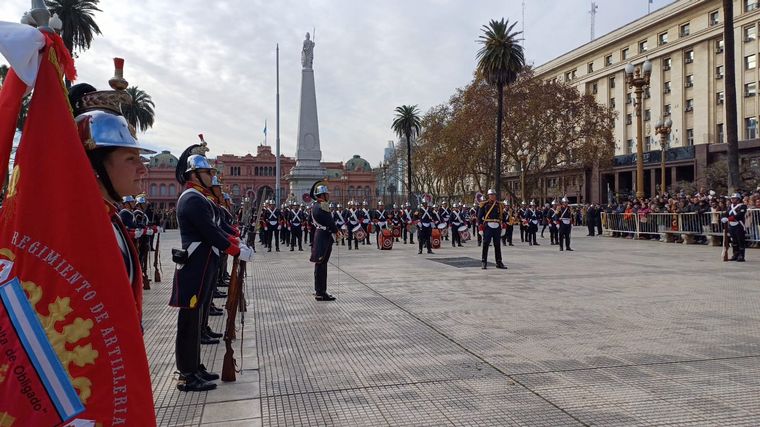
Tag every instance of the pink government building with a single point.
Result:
(251, 176)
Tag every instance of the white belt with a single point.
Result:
(566, 220)
(426, 224)
(319, 226)
(534, 221)
(493, 224)
(733, 223)
(272, 222)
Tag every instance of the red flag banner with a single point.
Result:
(71, 348)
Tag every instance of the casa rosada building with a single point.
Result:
(684, 43)
(254, 176)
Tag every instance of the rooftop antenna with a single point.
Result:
(523, 22)
(592, 12)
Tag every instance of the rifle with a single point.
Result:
(157, 261)
(230, 365)
(725, 242)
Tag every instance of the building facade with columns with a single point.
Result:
(684, 43)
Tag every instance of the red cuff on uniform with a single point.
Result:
(233, 250)
(233, 240)
(732, 218)
(131, 233)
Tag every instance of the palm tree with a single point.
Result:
(732, 137)
(79, 26)
(3, 72)
(140, 113)
(407, 124)
(499, 61)
(24, 103)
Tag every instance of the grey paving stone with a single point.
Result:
(618, 332)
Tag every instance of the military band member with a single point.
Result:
(425, 224)
(408, 220)
(456, 221)
(323, 240)
(534, 218)
(522, 215)
(338, 217)
(445, 215)
(564, 216)
(366, 220)
(553, 225)
(272, 217)
(395, 219)
(510, 219)
(285, 209)
(203, 241)
(296, 221)
(379, 218)
(734, 217)
(490, 217)
(473, 218)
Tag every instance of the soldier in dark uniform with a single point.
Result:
(407, 219)
(490, 217)
(271, 217)
(456, 221)
(379, 218)
(553, 224)
(534, 218)
(143, 242)
(735, 215)
(564, 216)
(445, 215)
(296, 221)
(508, 224)
(339, 218)
(425, 224)
(353, 218)
(203, 240)
(366, 220)
(395, 220)
(473, 220)
(323, 240)
(522, 215)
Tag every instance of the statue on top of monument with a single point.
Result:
(307, 54)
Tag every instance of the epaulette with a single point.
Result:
(483, 203)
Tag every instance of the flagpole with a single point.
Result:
(277, 160)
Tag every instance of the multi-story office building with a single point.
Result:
(684, 43)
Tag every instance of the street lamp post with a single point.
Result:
(522, 154)
(639, 82)
(663, 129)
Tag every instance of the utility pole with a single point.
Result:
(592, 12)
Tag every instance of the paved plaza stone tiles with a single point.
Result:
(619, 332)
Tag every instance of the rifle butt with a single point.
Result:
(228, 368)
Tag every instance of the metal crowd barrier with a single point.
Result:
(679, 227)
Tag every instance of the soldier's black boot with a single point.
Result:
(501, 265)
(193, 382)
(206, 375)
(484, 265)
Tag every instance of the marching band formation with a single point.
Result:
(488, 220)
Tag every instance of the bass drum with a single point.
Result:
(465, 235)
(360, 234)
(397, 232)
(435, 239)
(463, 228)
(386, 241)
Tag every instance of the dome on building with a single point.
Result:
(357, 164)
(164, 159)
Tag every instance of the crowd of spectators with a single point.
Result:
(707, 205)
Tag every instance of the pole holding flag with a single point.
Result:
(265, 132)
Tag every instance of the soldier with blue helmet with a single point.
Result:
(115, 156)
(321, 248)
(203, 241)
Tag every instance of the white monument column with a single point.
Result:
(308, 166)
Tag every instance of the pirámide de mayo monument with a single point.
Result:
(308, 155)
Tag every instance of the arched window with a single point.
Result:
(235, 190)
(153, 189)
(162, 190)
(351, 192)
(172, 190)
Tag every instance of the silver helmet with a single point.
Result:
(127, 199)
(340, 206)
(214, 180)
(103, 129)
(197, 162)
(227, 196)
(491, 191)
(320, 189)
(140, 199)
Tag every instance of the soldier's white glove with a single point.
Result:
(138, 233)
(724, 220)
(246, 253)
(149, 232)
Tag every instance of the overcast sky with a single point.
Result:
(210, 65)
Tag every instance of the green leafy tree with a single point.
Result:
(499, 62)
(407, 124)
(140, 113)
